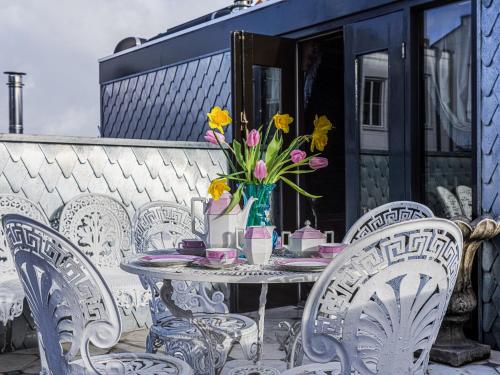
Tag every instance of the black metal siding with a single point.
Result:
(170, 103)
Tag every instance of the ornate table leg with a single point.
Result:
(262, 316)
(209, 337)
(256, 368)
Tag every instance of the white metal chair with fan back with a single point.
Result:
(374, 220)
(162, 225)
(72, 306)
(379, 306)
(384, 215)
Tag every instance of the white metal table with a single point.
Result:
(241, 274)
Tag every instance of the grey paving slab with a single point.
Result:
(465, 370)
(27, 361)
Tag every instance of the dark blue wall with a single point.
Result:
(170, 103)
(489, 142)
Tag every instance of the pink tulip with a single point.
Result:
(318, 162)
(297, 155)
(210, 136)
(253, 138)
(260, 171)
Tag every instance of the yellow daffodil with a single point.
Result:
(218, 187)
(218, 118)
(282, 122)
(319, 137)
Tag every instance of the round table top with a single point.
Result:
(241, 274)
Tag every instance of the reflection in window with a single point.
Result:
(373, 72)
(267, 93)
(372, 102)
(447, 108)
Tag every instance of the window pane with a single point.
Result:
(267, 93)
(376, 114)
(377, 91)
(373, 71)
(447, 123)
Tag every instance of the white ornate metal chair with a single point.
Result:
(11, 290)
(449, 202)
(72, 306)
(464, 194)
(162, 225)
(101, 228)
(379, 306)
(374, 220)
(384, 215)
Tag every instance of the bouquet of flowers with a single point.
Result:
(261, 160)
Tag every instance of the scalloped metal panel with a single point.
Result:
(489, 114)
(169, 103)
(50, 174)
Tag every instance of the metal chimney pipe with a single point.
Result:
(242, 4)
(15, 84)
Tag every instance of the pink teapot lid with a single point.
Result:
(308, 232)
(257, 233)
(217, 207)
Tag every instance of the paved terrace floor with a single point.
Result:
(28, 361)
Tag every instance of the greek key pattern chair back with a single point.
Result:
(14, 204)
(11, 291)
(379, 306)
(387, 214)
(70, 303)
(163, 225)
(100, 226)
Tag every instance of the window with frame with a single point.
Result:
(373, 99)
(447, 128)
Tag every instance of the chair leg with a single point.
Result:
(296, 352)
(153, 343)
(249, 346)
(193, 353)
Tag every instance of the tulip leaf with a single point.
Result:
(301, 171)
(235, 199)
(238, 154)
(273, 149)
(299, 189)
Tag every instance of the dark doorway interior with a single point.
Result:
(320, 79)
(321, 72)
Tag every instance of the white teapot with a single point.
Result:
(220, 227)
(305, 241)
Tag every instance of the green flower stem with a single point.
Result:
(268, 130)
(225, 152)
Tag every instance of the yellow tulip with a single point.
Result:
(319, 137)
(218, 187)
(218, 118)
(282, 122)
(322, 124)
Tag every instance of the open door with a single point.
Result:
(263, 83)
(374, 110)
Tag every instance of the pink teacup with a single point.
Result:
(191, 244)
(191, 247)
(330, 250)
(221, 256)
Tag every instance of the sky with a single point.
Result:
(57, 43)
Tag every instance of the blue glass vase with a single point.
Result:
(260, 213)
